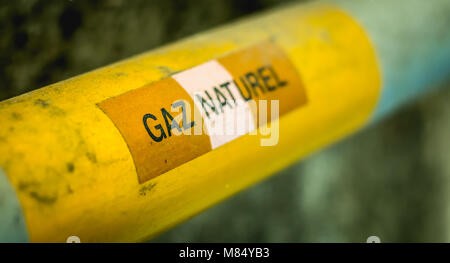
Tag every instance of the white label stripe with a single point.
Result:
(226, 115)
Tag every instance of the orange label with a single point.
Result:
(175, 120)
(144, 118)
(264, 72)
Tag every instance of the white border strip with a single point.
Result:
(235, 118)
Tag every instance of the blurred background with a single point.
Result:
(390, 180)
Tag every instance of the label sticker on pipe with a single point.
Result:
(172, 121)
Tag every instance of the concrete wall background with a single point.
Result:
(391, 180)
